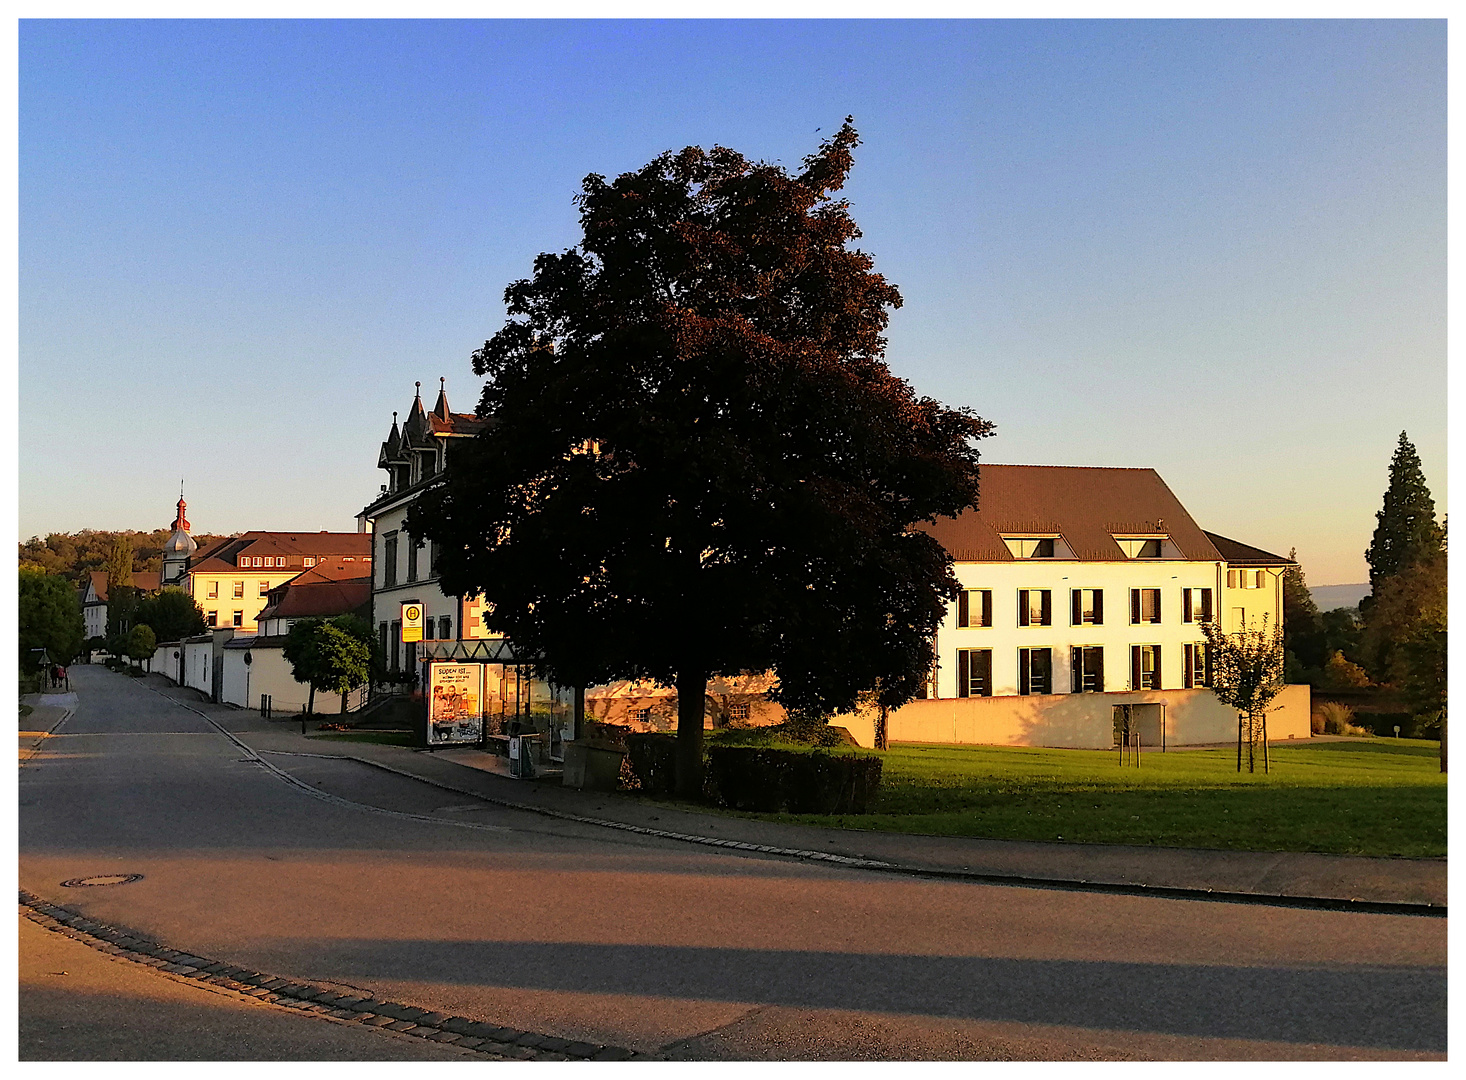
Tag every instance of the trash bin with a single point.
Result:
(522, 752)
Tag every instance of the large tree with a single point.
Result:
(172, 613)
(699, 463)
(1407, 530)
(48, 616)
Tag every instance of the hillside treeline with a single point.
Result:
(75, 555)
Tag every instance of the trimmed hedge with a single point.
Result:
(652, 757)
(770, 780)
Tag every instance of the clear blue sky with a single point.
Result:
(1215, 249)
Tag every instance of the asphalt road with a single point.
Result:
(383, 884)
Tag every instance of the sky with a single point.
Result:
(1216, 249)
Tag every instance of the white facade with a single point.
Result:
(1115, 634)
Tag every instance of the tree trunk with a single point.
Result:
(1443, 740)
(881, 735)
(310, 701)
(691, 690)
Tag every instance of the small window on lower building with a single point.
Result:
(213, 590)
(1087, 674)
(445, 627)
(1197, 665)
(740, 712)
(211, 618)
(239, 618)
(974, 672)
(641, 716)
(1145, 667)
(1035, 671)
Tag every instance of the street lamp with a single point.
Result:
(249, 659)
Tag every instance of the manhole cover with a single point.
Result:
(102, 879)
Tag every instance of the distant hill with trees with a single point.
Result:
(1329, 597)
(75, 555)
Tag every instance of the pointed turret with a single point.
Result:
(179, 549)
(440, 410)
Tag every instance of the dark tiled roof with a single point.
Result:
(223, 555)
(143, 580)
(1237, 553)
(1085, 506)
(320, 597)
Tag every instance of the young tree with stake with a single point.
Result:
(1247, 674)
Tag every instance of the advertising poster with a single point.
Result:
(455, 695)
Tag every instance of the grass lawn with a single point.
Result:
(386, 738)
(1379, 797)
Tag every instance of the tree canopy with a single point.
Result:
(75, 555)
(1407, 530)
(698, 461)
(141, 643)
(334, 656)
(172, 613)
(48, 616)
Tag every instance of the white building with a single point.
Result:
(404, 577)
(1087, 581)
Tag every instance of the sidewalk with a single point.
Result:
(1295, 874)
(48, 710)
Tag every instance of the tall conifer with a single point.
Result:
(1407, 531)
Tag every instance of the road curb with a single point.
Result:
(1168, 892)
(34, 751)
(1021, 881)
(487, 1040)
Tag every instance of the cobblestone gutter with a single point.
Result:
(485, 1040)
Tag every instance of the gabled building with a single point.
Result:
(453, 642)
(325, 591)
(94, 597)
(231, 580)
(1079, 582)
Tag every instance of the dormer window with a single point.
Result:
(1035, 547)
(1144, 547)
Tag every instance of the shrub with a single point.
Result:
(653, 760)
(794, 732)
(1338, 719)
(1342, 674)
(771, 780)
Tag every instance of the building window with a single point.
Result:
(1145, 606)
(211, 618)
(641, 716)
(1196, 605)
(975, 607)
(239, 590)
(1239, 619)
(213, 590)
(413, 547)
(310, 561)
(1087, 607)
(427, 628)
(1026, 547)
(974, 672)
(1087, 669)
(1197, 665)
(1035, 607)
(389, 562)
(739, 713)
(239, 618)
(1035, 671)
(445, 627)
(264, 587)
(1145, 667)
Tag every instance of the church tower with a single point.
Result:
(178, 551)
